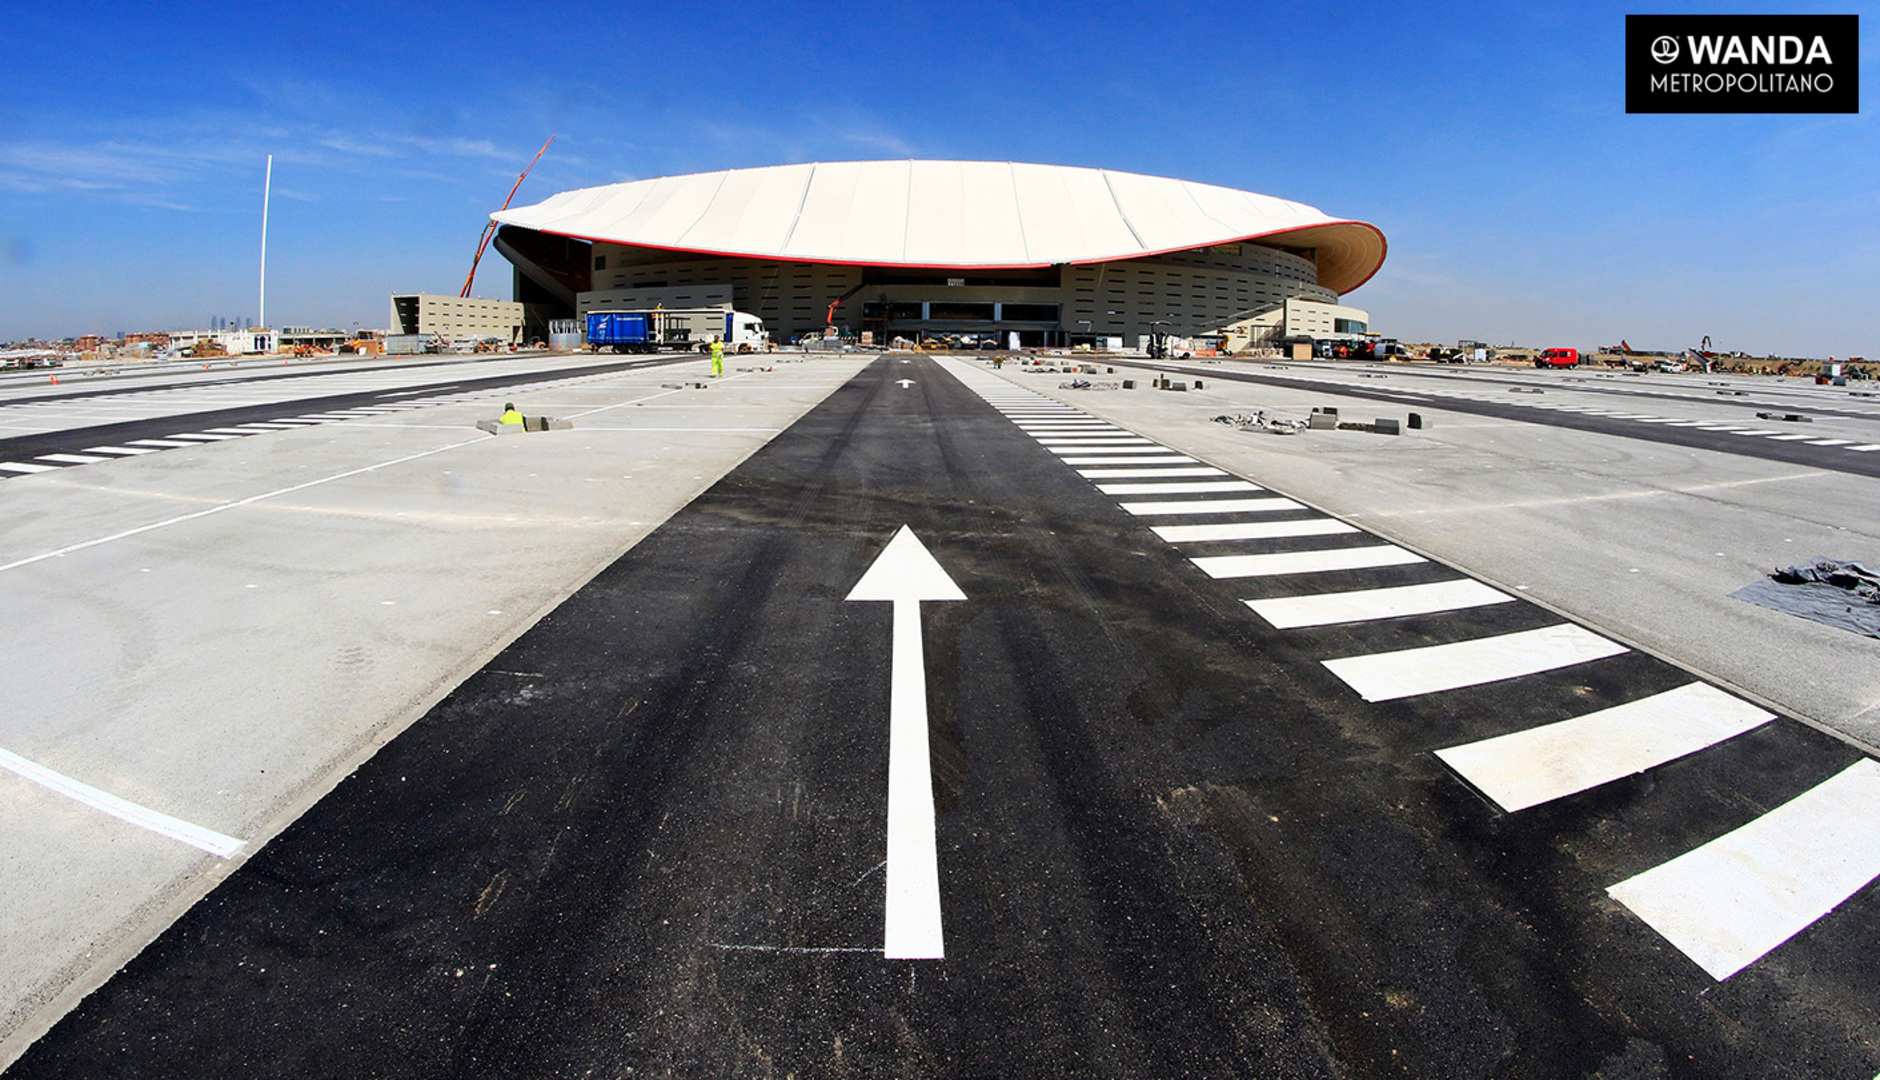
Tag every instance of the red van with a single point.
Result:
(1558, 358)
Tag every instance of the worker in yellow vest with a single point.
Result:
(511, 416)
(718, 357)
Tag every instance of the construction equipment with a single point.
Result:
(489, 228)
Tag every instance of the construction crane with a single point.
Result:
(489, 230)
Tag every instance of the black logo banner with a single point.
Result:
(1742, 63)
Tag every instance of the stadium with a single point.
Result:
(993, 252)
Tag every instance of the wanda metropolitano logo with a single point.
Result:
(1742, 63)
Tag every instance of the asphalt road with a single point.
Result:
(647, 839)
(28, 450)
(1722, 435)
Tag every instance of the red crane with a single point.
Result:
(489, 230)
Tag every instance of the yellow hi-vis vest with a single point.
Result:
(512, 417)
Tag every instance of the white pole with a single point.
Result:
(266, 187)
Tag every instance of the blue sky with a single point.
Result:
(1488, 140)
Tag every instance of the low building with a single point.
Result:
(233, 342)
(458, 318)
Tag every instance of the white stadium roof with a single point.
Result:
(947, 214)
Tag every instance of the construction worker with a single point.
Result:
(718, 357)
(510, 415)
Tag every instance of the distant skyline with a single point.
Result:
(1489, 142)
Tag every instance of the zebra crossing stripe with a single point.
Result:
(1433, 668)
(1250, 530)
(72, 459)
(1527, 768)
(1305, 562)
(1197, 487)
(1266, 505)
(1365, 605)
(25, 467)
(1147, 459)
(1063, 450)
(1124, 474)
(121, 451)
(1729, 902)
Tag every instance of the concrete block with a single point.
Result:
(1386, 427)
(1320, 421)
(1417, 421)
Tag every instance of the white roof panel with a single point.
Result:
(945, 214)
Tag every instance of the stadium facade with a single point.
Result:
(1055, 255)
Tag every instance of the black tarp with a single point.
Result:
(1837, 592)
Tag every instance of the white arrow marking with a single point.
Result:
(906, 574)
(904, 384)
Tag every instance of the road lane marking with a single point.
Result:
(1864, 449)
(1728, 903)
(1527, 768)
(1196, 487)
(1064, 450)
(161, 443)
(1250, 530)
(1326, 609)
(906, 574)
(1306, 562)
(1434, 668)
(72, 459)
(1124, 474)
(26, 467)
(179, 519)
(123, 809)
(1147, 459)
(124, 451)
(203, 436)
(1788, 438)
(1265, 505)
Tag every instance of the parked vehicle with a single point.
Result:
(680, 329)
(1557, 358)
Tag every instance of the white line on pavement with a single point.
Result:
(1147, 459)
(1432, 668)
(1197, 487)
(1212, 506)
(1326, 609)
(1731, 901)
(1065, 450)
(1250, 530)
(1125, 474)
(123, 809)
(1527, 768)
(1306, 562)
(67, 550)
